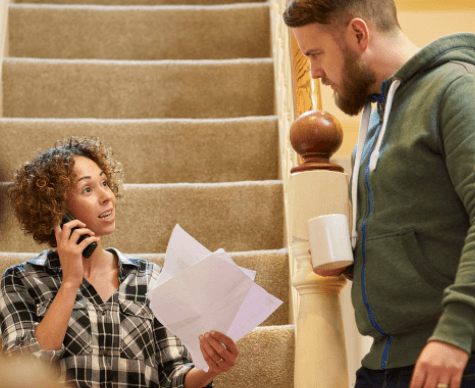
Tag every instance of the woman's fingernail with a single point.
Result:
(207, 335)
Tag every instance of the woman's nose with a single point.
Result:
(105, 194)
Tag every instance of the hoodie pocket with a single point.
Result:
(403, 289)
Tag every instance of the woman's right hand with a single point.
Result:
(70, 252)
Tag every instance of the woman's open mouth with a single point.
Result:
(107, 215)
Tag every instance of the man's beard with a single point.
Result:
(356, 85)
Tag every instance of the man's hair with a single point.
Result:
(38, 193)
(381, 13)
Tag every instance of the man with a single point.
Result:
(413, 187)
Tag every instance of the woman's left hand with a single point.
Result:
(219, 351)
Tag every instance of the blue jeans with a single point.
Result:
(401, 377)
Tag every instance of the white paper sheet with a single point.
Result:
(199, 291)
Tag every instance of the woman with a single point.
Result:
(90, 314)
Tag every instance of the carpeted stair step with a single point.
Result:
(266, 359)
(140, 33)
(35, 88)
(271, 266)
(160, 150)
(241, 216)
(138, 2)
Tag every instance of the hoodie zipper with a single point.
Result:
(365, 298)
(372, 164)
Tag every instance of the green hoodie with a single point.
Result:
(414, 272)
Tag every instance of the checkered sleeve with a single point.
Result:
(18, 316)
(172, 358)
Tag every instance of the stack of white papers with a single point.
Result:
(199, 291)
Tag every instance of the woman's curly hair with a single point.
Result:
(38, 195)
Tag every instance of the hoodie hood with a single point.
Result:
(455, 47)
(450, 48)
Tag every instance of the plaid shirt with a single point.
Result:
(114, 344)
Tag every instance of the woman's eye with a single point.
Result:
(104, 183)
(86, 190)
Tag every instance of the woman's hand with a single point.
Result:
(70, 252)
(219, 351)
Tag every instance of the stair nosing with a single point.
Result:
(106, 8)
(271, 183)
(135, 62)
(146, 120)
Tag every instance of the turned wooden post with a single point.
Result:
(317, 187)
(316, 136)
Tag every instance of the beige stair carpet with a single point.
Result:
(34, 88)
(266, 359)
(185, 96)
(138, 2)
(271, 266)
(144, 33)
(161, 150)
(240, 216)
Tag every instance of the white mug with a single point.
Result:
(330, 244)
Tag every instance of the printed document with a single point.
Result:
(199, 291)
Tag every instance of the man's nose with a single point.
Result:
(316, 72)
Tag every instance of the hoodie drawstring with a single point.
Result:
(364, 125)
(359, 152)
(375, 154)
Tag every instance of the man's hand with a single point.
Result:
(439, 364)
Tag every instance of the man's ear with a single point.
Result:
(357, 34)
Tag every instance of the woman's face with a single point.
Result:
(92, 201)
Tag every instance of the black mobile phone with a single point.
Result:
(87, 253)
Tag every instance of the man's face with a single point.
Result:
(337, 66)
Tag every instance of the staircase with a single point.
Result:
(183, 92)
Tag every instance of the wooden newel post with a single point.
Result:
(317, 187)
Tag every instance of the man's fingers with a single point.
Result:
(418, 377)
(455, 381)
